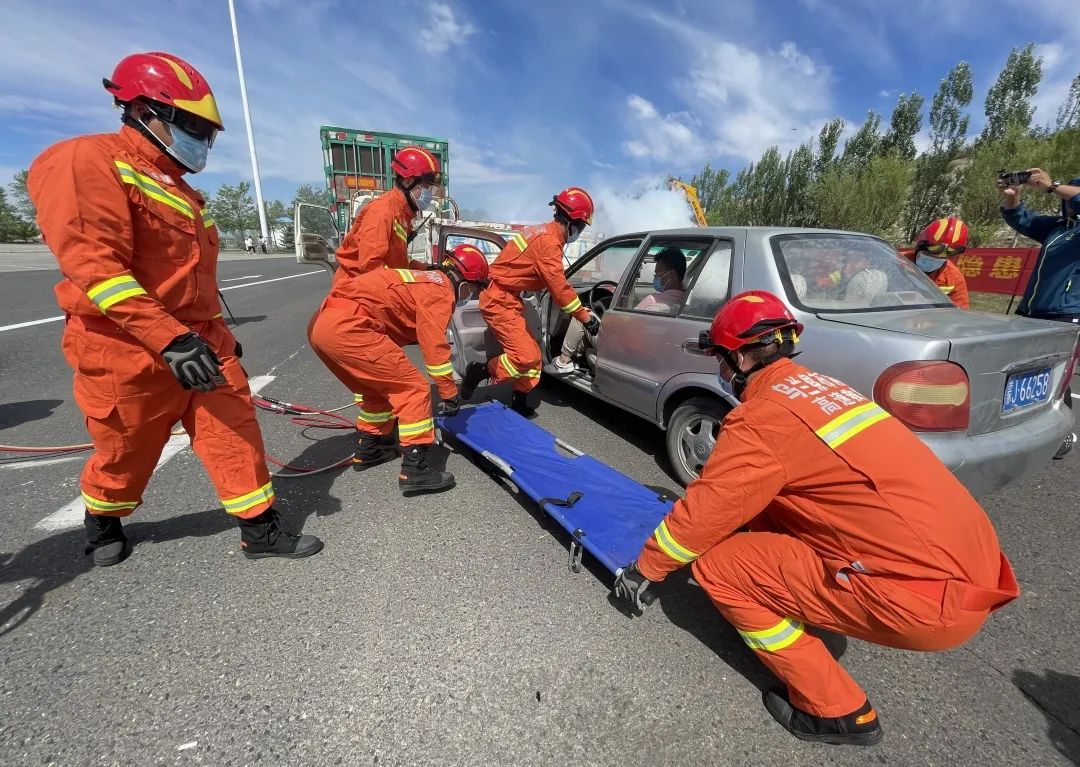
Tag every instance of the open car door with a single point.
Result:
(469, 335)
(316, 236)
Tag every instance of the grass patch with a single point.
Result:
(992, 302)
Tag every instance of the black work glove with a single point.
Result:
(448, 406)
(239, 351)
(592, 325)
(193, 363)
(632, 586)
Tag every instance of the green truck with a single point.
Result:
(357, 166)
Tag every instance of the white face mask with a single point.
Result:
(725, 385)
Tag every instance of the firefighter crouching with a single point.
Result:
(358, 333)
(144, 333)
(855, 527)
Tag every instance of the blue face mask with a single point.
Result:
(424, 199)
(657, 283)
(929, 263)
(188, 150)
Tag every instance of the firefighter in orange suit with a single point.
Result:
(530, 261)
(940, 241)
(855, 527)
(138, 251)
(379, 237)
(358, 333)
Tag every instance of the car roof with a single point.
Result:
(764, 231)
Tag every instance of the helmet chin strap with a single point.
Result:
(740, 378)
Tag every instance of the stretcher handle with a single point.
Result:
(498, 462)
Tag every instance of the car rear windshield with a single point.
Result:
(850, 273)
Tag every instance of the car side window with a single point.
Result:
(489, 248)
(640, 292)
(712, 284)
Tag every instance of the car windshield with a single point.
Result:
(850, 273)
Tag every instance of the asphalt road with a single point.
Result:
(438, 630)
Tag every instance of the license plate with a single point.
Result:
(1024, 389)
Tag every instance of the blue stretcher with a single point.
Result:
(606, 513)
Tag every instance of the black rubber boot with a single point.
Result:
(260, 537)
(417, 476)
(372, 450)
(475, 374)
(105, 539)
(519, 403)
(859, 728)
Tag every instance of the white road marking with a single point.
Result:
(43, 462)
(71, 514)
(18, 325)
(245, 277)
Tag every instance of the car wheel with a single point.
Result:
(691, 435)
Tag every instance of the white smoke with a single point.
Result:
(644, 205)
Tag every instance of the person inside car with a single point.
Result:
(668, 284)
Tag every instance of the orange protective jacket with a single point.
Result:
(133, 240)
(533, 260)
(411, 307)
(808, 456)
(953, 283)
(378, 237)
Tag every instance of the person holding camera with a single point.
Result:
(1053, 292)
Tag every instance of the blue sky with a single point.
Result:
(533, 96)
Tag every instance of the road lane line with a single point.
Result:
(42, 462)
(18, 325)
(71, 514)
(245, 277)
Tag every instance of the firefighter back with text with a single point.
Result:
(855, 527)
(532, 260)
(144, 333)
(358, 333)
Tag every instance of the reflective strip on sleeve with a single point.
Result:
(207, 219)
(406, 275)
(444, 369)
(357, 398)
(414, 429)
(114, 290)
(573, 306)
(399, 230)
(667, 543)
(242, 503)
(369, 417)
(947, 289)
(782, 635)
(153, 189)
(519, 241)
(96, 504)
(845, 426)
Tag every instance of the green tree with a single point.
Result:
(288, 237)
(309, 194)
(863, 146)
(1008, 102)
(904, 125)
(233, 208)
(276, 212)
(711, 185)
(864, 199)
(798, 196)
(1068, 116)
(11, 228)
(23, 207)
(828, 140)
(938, 171)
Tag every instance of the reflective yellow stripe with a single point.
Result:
(667, 543)
(444, 369)
(947, 289)
(783, 634)
(845, 426)
(509, 366)
(406, 275)
(242, 503)
(357, 398)
(217, 316)
(573, 306)
(412, 429)
(518, 240)
(114, 290)
(96, 504)
(207, 219)
(368, 417)
(531, 373)
(153, 189)
(399, 230)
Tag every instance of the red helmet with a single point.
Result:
(750, 317)
(469, 261)
(575, 202)
(166, 79)
(416, 162)
(946, 234)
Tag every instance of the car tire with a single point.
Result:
(691, 435)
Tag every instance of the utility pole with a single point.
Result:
(250, 130)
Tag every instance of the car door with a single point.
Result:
(468, 334)
(315, 236)
(639, 344)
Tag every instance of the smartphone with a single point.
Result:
(1013, 177)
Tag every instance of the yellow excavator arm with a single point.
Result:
(692, 198)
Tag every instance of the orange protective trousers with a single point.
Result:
(769, 585)
(131, 401)
(371, 365)
(504, 313)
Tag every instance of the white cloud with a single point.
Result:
(444, 30)
(1058, 68)
(661, 137)
(885, 94)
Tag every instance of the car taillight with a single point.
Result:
(925, 395)
(1070, 371)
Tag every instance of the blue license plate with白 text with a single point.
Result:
(1024, 389)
